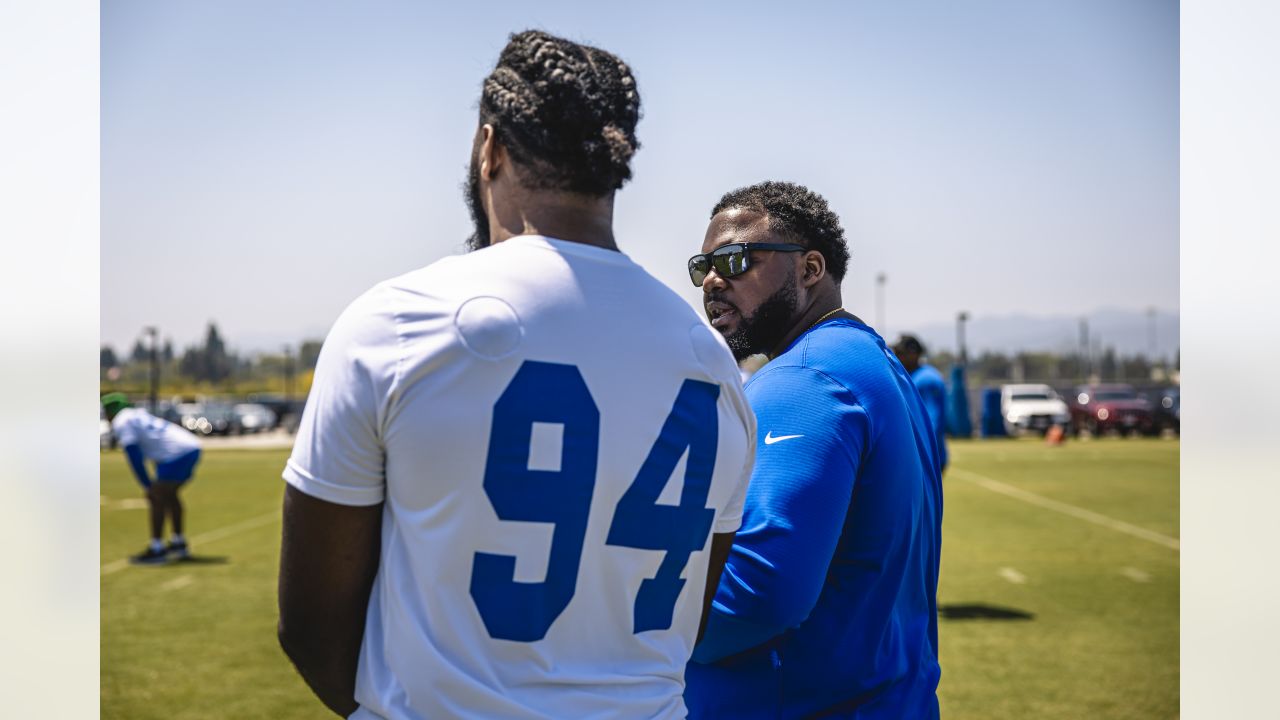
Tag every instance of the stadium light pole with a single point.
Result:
(880, 326)
(960, 349)
(154, 332)
(1084, 348)
(1151, 334)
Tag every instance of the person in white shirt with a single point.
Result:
(519, 470)
(175, 452)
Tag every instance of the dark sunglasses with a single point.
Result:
(732, 259)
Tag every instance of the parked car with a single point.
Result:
(1115, 407)
(222, 417)
(1032, 408)
(254, 417)
(286, 411)
(167, 410)
(1168, 408)
(207, 418)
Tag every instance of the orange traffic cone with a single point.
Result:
(1055, 436)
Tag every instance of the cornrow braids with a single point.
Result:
(566, 113)
(798, 212)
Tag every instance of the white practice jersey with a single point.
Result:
(556, 436)
(159, 439)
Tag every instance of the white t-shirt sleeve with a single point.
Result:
(338, 455)
(125, 430)
(731, 518)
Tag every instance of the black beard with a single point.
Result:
(765, 329)
(471, 193)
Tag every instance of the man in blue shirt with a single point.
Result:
(828, 603)
(933, 389)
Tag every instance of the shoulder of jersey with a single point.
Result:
(456, 274)
(843, 338)
(435, 281)
(126, 416)
(847, 351)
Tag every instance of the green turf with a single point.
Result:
(1100, 644)
(197, 640)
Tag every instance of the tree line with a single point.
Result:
(212, 365)
(209, 366)
(1061, 369)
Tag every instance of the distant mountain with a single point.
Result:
(1127, 331)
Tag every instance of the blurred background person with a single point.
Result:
(933, 389)
(175, 452)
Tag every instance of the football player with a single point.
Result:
(175, 452)
(518, 470)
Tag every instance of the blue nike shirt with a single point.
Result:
(828, 602)
(933, 391)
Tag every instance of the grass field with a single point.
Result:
(1059, 588)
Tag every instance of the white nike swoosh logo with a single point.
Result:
(769, 439)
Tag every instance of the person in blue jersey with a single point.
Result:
(175, 452)
(933, 389)
(827, 606)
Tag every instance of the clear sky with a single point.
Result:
(263, 163)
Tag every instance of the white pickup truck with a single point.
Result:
(1032, 408)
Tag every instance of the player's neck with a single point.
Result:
(563, 216)
(825, 305)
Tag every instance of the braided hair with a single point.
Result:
(565, 112)
(796, 211)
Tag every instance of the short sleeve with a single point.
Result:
(338, 455)
(730, 519)
(715, 357)
(125, 430)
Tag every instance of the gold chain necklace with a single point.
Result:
(824, 317)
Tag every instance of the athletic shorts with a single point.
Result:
(179, 469)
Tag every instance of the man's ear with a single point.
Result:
(491, 155)
(814, 268)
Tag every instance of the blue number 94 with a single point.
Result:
(556, 393)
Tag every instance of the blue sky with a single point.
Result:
(264, 163)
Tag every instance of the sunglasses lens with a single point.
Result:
(730, 260)
(698, 269)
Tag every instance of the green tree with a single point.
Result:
(308, 354)
(1109, 367)
(210, 362)
(140, 353)
(218, 364)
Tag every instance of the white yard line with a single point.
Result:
(1064, 508)
(177, 583)
(1012, 576)
(208, 537)
(123, 504)
(1136, 575)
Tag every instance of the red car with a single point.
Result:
(1103, 408)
